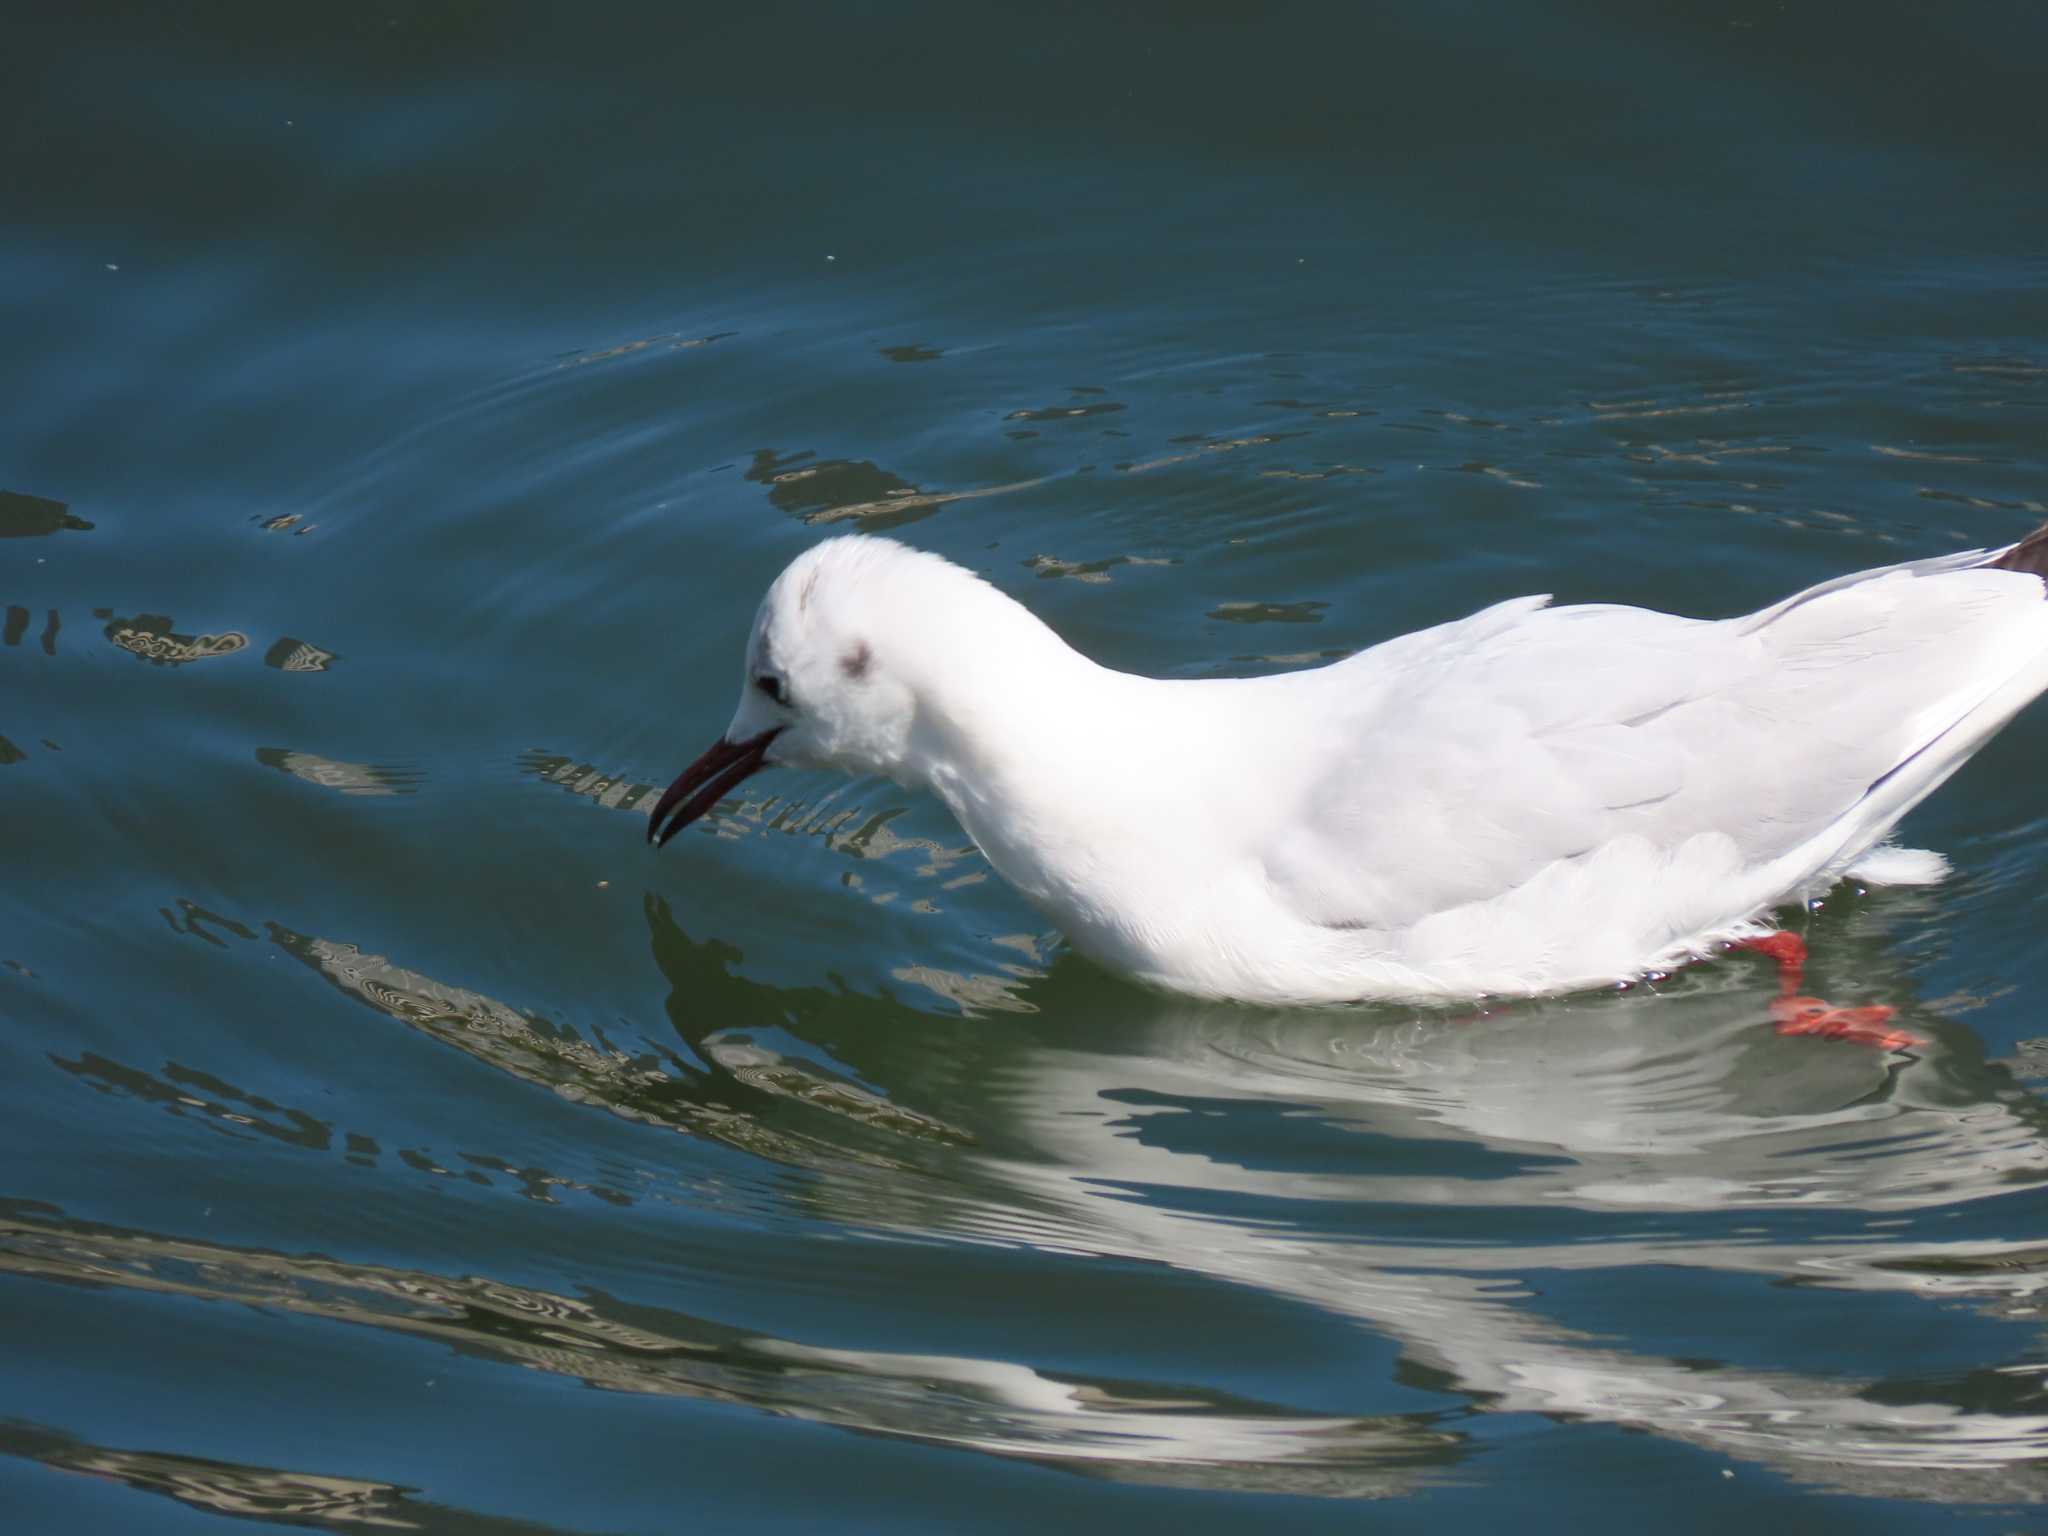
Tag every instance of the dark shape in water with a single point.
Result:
(184, 1092)
(10, 753)
(916, 352)
(290, 655)
(29, 517)
(193, 919)
(148, 637)
(17, 626)
(676, 342)
(1269, 613)
(1063, 412)
(1049, 566)
(825, 490)
(835, 490)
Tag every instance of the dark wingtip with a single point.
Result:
(2029, 557)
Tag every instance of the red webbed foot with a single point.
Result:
(1860, 1026)
(1795, 1013)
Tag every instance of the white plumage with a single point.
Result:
(1531, 799)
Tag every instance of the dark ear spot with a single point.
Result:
(855, 662)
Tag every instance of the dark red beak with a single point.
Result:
(707, 781)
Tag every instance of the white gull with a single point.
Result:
(1528, 800)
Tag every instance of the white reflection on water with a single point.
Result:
(1680, 1104)
(1677, 1104)
(1620, 1134)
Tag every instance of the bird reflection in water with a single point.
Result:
(1349, 1161)
(1635, 1133)
(724, 1089)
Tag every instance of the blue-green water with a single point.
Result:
(429, 393)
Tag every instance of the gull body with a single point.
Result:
(1531, 799)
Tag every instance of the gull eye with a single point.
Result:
(771, 685)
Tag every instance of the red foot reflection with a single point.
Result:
(1797, 1014)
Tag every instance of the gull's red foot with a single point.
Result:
(1797, 1014)
(1788, 949)
(1861, 1026)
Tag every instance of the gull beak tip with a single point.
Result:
(706, 782)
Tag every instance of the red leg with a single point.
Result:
(1797, 1014)
(1788, 949)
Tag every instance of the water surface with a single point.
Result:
(404, 414)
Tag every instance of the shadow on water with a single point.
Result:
(1328, 1159)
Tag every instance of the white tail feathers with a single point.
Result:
(1889, 864)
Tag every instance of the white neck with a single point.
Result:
(1072, 778)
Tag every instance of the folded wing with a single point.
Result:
(1523, 746)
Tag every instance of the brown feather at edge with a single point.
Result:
(2029, 556)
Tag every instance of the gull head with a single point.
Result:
(823, 684)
